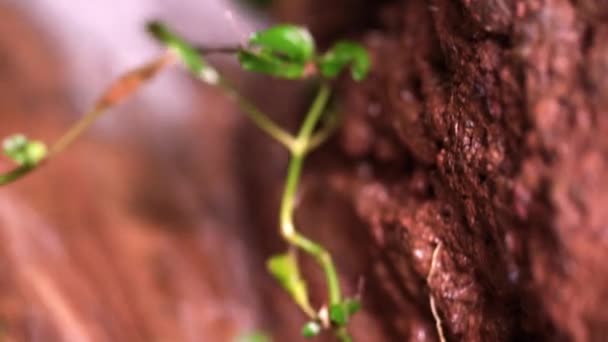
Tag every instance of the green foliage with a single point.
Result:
(284, 267)
(267, 63)
(340, 313)
(311, 329)
(343, 54)
(282, 51)
(287, 51)
(23, 151)
(292, 42)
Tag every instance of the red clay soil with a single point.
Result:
(482, 128)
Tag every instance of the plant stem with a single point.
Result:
(324, 133)
(294, 172)
(74, 132)
(15, 174)
(121, 89)
(314, 113)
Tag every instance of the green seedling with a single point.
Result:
(342, 55)
(282, 51)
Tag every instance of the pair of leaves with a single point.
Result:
(24, 152)
(288, 51)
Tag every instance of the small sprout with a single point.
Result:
(343, 54)
(285, 269)
(281, 51)
(256, 336)
(23, 151)
(339, 314)
(311, 329)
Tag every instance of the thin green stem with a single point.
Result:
(324, 133)
(314, 114)
(74, 132)
(294, 172)
(15, 174)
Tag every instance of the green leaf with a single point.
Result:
(340, 313)
(187, 54)
(267, 64)
(23, 151)
(282, 51)
(284, 268)
(343, 54)
(294, 42)
(256, 336)
(311, 329)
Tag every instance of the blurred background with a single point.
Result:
(137, 233)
